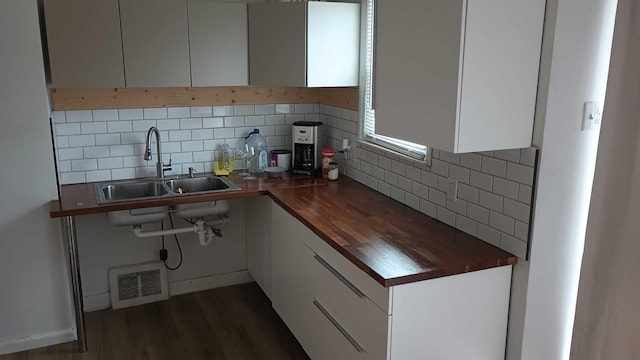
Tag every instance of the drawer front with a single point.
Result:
(328, 339)
(349, 306)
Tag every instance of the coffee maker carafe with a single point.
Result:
(306, 157)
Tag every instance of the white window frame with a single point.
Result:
(415, 152)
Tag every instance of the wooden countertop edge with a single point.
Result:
(387, 282)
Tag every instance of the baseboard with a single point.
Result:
(209, 282)
(103, 301)
(38, 341)
(97, 302)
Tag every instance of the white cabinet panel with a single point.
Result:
(458, 75)
(155, 40)
(218, 43)
(85, 48)
(259, 241)
(310, 44)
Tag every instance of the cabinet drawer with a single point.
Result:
(350, 307)
(329, 340)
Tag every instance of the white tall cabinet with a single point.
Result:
(313, 44)
(458, 75)
(218, 43)
(155, 39)
(85, 49)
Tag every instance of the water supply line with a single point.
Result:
(203, 228)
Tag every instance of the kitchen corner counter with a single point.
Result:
(391, 242)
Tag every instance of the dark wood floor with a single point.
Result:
(233, 323)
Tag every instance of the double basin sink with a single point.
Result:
(162, 188)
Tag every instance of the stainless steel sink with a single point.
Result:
(130, 190)
(200, 185)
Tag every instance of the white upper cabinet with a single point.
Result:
(458, 75)
(155, 37)
(85, 48)
(218, 42)
(313, 44)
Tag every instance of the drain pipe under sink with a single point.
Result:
(205, 234)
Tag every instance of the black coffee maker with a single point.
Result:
(306, 156)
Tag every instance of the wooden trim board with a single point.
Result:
(127, 98)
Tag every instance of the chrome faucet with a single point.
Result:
(160, 166)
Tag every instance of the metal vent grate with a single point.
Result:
(138, 284)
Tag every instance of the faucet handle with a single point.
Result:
(167, 167)
(192, 171)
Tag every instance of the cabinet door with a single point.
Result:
(417, 67)
(277, 42)
(218, 43)
(259, 241)
(155, 38)
(85, 48)
(289, 257)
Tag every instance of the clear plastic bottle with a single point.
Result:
(257, 152)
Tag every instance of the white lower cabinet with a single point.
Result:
(336, 311)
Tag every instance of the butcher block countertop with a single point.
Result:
(391, 242)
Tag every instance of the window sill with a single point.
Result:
(394, 155)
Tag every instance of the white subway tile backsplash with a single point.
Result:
(70, 153)
(110, 163)
(466, 225)
(481, 181)
(275, 120)
(391, 178)
(79, 116)
(144, 125)
(265, 109)
(437, 197)
(213, 144)
(254, 120)
(429, 179)
(202, 134)
(491, 201)
(98, 175)
(203, 156)
(468, 193)
(134, 137)
(397, 194)
(528, 156)
(72, 178)
(405, 183)
(372, 182)
(181, 158)
(478, 213)
(284, 130)
(168, 124)
(512, 155)
(525, 194)
(493, 166)
(119, 126)
(84, 165)
(411, 201)
(192, 145)
(213, 122)
(471, 161)
(446, 216)
(82, 140)
(459, 206)
(516, 210)
(459, 173)
(105, 115)
(513, 245)
(384, 188)
(154, 113)
(108, 139)
(67, 129)
(130, 114)
(303, 108)
(147, 171)
(227, 133)
(94, 152)
(443, 184)
(192, 123)
(179, 135)
(377, 172)
(58, 117)
(505, 188)
(242, 110)
(121, 150)
(201, 111)
(133, 161)
(223, 111)
(234, 121)
(492, 236)
(449, 157)
(384, 162)
(439, 167)
(521, 231)
(411, 172)
(178, 112)
(520, 173)
(61, 142)
(171, 147)
(122, 174)
(428, 208)
(94, 127)
(503, 223)
(398, 167)
(365, 167)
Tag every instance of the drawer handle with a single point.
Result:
(337, 325)
(335, 273)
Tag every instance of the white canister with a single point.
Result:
(281, 158)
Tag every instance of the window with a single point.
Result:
(415, 151)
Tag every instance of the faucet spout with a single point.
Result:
(160, 167)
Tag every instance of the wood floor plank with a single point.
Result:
(231, 323)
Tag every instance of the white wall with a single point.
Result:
(578, 64)
(101, 246)
(34, 305)
(607, 318)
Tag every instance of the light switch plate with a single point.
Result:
(592, 116)
(452, 189)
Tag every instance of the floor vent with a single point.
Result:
(132, 285)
